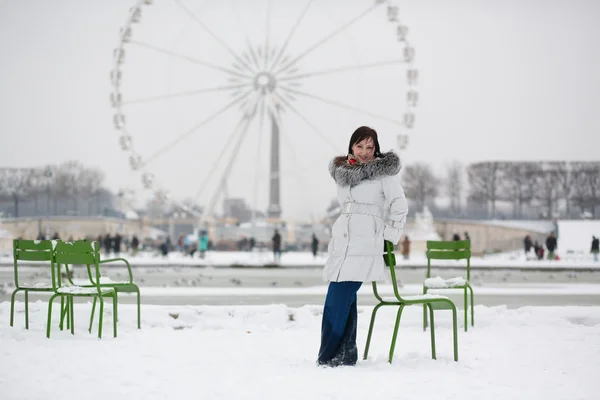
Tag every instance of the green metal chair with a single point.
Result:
(127, 286)
(433, 302)
(34, 250)
(80, 252)
(449, 250)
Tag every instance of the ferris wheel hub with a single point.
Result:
(265, 82)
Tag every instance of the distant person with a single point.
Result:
(595, 247)
(117, 244)
(456, 237)
(164, 248)
(135, 242)
(315, 245)
(276, 245)
(467, 237)
(539, 250)
(405, 248)
(107, 244)
(527, 244)
(551, 246)
(202, 243)
(252, 243)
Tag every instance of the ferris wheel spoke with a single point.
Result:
(267, 28)
(196, 127)
(216, 164)
(246, 37)
(342, 105)
(289, 105)
(213, 35)
(290, 35)
(342, 69)
(247, 120)
(326, 38)
(190, 59)
(185, 94)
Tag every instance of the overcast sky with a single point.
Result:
(499, 79)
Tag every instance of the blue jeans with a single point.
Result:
(338, 329)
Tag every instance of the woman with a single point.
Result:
(367, 181)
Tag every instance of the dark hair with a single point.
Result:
(362, 133)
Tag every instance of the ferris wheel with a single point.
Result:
(207, 96)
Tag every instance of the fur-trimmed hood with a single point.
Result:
(346, 174)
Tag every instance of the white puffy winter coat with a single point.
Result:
(368, 194)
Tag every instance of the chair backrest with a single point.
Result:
(449, 250)
(390, 261)
(30, 250)
(79, 252)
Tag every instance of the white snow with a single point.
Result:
(439, 282)
(269, 352)
(82, 290)
(512, 260)
(576, 236)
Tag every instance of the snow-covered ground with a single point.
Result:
(269, 352)
(511, 260)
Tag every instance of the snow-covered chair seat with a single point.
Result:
(104, 280)
(441, 283)
(39, 285)
(78, 290)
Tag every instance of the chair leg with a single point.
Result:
(72, 315)
(472, 307)
(373, 314)
(393, 346)
(424, 312)
(454, 331)
(12, 306)
(101, 315)
(139, 313)
(63, 312)
(432, 329)
(466, 309)
(27, 309)
(49, 323)
(115, 307)
(92, 314)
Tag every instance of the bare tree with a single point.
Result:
(518, 184)
(35, 187)
(594, 186)
(69, 182)
(565, 177)
(484, 183)
(547, 190)
(420, 184)
(91, 180)
(586, 187)
(454, 186)
(13, 185)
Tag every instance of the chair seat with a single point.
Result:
(83, 290)
(441, 283)
(415, 298)
(36, 286)
(104, 280)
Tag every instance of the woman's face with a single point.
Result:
(364, 150)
